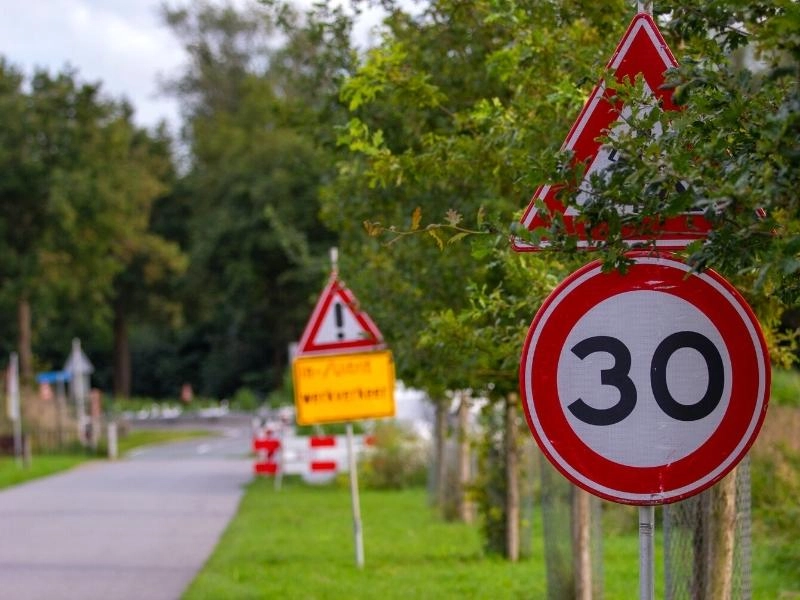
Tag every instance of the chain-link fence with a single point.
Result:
(707, 542)
(573, 535)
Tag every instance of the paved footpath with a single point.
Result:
(135, 529)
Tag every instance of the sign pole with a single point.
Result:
(357, 532)
(646, 553)
(13, 407)
(281, 460)
(334, 255)
(644, 7)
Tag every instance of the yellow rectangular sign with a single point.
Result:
(343, 387)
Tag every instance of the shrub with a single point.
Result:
(245, 399)
(397, 459)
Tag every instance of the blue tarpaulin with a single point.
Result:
(53, 376)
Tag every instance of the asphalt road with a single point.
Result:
(136, 529)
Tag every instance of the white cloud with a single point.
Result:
(122, 44)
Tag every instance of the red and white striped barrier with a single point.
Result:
(266, 448)
(324, 458)
(316, 457)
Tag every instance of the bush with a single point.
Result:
(245, 399)
(397, 459)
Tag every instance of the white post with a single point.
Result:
(13, 403)
(78, 388)
(644, 7)
(334, 254)
(646, 553)
(113, 447)
(357, 533)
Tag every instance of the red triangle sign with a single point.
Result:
(337, 325)
(642, 50)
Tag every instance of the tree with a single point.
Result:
(450, 117)
(151, 262)
(68, 202)
(256, 245)
(484, 340)
(730, 152)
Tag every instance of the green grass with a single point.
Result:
(785, 387)
(298, 543)
(43, 465)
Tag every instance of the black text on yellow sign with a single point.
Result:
(343, 387)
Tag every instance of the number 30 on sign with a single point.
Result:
(648, 387)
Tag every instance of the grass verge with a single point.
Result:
(43, 465)
(297, 543)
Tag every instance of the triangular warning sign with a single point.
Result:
(642, 50)
(337, 325)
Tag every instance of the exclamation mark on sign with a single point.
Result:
(337, 309)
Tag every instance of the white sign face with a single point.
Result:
(638, 322)
(338, 325)
(645, 388)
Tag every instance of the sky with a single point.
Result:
(121, 43)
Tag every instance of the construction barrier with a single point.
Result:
(266, 448)
(312, 457)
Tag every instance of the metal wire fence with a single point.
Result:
(562, 520)
(707, 542)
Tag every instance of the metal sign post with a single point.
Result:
(13, 406)
(342, 372)
(281, 458)
(358, 536)
(645, 7)
(80, 369)
(646, 552)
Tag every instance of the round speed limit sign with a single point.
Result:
(648, 387)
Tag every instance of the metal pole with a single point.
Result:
(334, 254)
(13, 408)
(278, 483)
(644, 7)
(113, 446)
(19, 450)
(357, 533)
(646, 553)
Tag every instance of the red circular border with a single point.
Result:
(682, 478)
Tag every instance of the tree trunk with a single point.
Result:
(465, 507)
(24, 340)
(440, 438)
(722, 537)
(512, 474)
(122, 354)
(581, 543)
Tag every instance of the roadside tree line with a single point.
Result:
(200, 261)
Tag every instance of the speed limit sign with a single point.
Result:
(645, 387)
